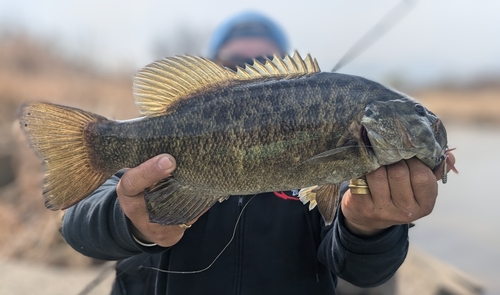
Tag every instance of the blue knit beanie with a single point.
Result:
(247, 24)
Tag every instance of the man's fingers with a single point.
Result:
(379, 187)
(135, 180)
(401, 189)
(424, 185)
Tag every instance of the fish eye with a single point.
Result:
(421, 111)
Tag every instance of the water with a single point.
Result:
(464, 228)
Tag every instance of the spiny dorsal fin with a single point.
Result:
(162, 83)
(287, 68)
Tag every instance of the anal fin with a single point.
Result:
(169, 203)
(326, 197)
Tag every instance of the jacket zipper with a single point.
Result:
(239, 244)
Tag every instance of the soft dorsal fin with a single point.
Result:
(162, 83)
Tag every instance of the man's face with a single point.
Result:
(239, 51)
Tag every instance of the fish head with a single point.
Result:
(402, 128)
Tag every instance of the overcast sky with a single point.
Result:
(438, 38)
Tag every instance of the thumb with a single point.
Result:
(135, 180)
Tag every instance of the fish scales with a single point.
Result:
(276, 126)
(229, 133)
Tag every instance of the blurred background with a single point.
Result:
(84, 54)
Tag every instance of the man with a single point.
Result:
(264, 244)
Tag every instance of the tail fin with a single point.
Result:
(57, 134)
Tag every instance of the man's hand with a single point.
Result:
(130, 191)
(400, 193)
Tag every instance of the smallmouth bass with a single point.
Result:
(275, 126)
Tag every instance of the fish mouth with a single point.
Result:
(366, 140)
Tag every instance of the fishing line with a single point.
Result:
(216, 257)
(106, 270)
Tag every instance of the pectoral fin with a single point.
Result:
(326, 197)
(327, 156)
(169, 203)
(333, 154)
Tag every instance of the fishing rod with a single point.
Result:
(386, 23)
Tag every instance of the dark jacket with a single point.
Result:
(279, 247)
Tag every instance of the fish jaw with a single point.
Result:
(401, 129)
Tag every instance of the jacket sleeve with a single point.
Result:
(98, 228)
(363, 261)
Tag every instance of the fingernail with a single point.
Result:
(164, 163)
